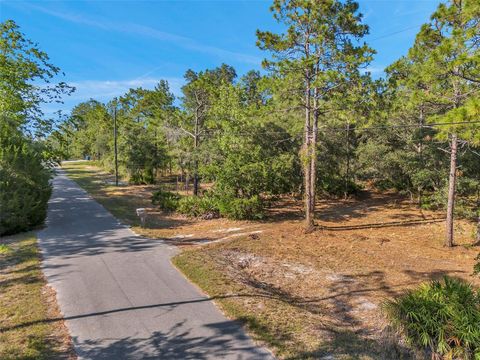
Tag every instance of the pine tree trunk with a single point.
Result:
(195, 180)
(309, 196)
(451, 191)
(421, 157)
(347, 170)
(313, 158)
(309, 221)
(477, 237)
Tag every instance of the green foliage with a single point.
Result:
(241, 208)
(144, 154)
(24, 182)
(87, 132)
(26, 76)
(210, 206)
(166, 200)
(442, 317)
(141, 132)
(198, 206)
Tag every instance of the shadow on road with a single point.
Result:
(176, 343)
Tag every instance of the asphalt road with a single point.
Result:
(120, 295)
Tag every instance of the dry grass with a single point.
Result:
(27, 304)
(315, 295)
(320, 294)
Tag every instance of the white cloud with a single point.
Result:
(147, 31)
(106, 89)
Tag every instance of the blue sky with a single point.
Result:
(106, 47)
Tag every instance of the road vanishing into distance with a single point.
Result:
(120, 295)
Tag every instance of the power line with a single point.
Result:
(411, 126)
(357, 129)
(395, 32)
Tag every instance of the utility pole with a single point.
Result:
(115, 141)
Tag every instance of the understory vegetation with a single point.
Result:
(24, 183)
(442, 317)
(210, 205)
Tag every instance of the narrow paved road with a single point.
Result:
(119, 293)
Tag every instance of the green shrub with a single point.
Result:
(442, 317)
(24, 183)
(196, 206)
(142, 176)
(165, 200)
(241, 208)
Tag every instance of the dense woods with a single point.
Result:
(313, 123)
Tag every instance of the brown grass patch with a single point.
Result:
(27, 304)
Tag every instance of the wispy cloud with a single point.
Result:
(106, 89)
(147, 31)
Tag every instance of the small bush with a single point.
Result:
(197, 206)
(142, 176)
(241, 208)
(442, 317)
(165, 200)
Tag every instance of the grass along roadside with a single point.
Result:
(27, 304)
